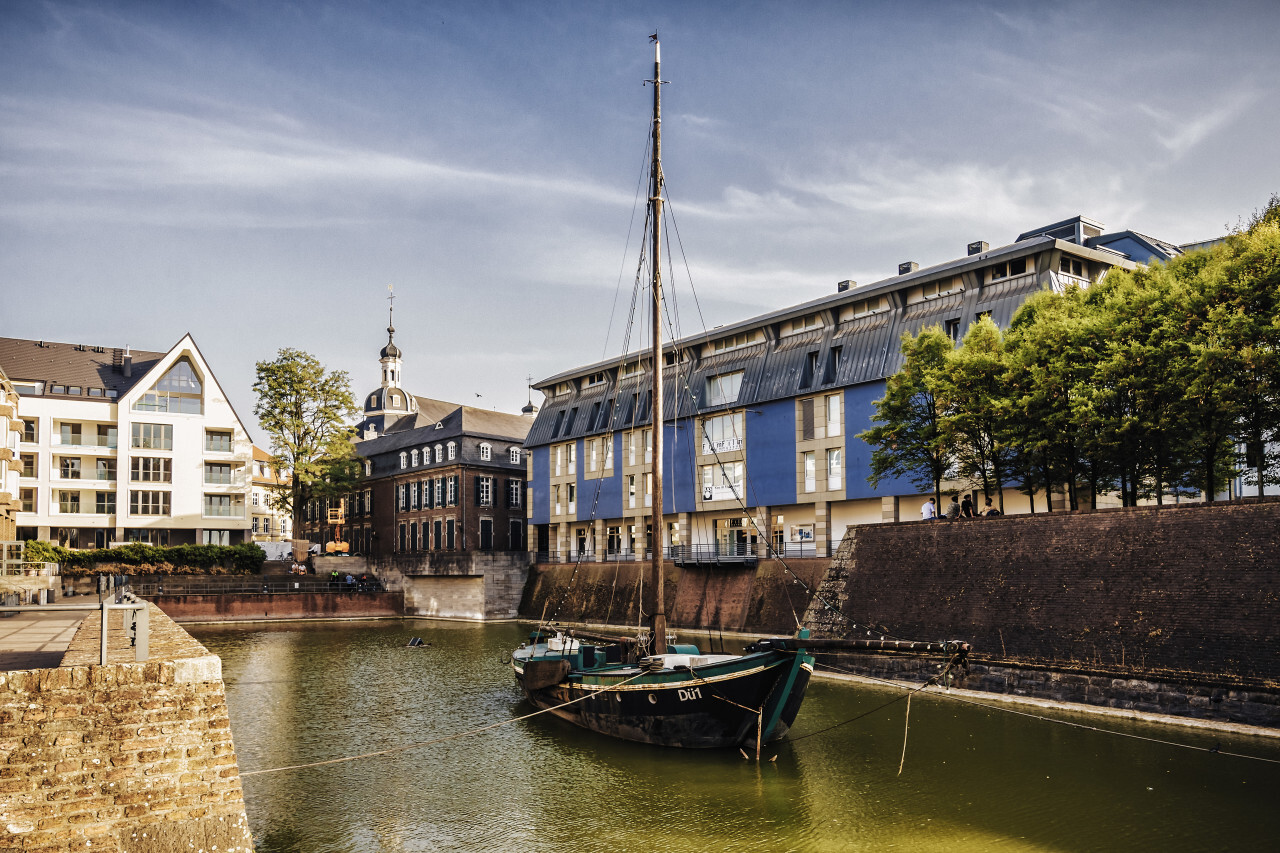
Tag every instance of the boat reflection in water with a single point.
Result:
(974, 779)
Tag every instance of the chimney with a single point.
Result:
(978, 248)
(909, 266)
(845, 285)
(127, 368)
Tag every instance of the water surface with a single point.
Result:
(974, 778)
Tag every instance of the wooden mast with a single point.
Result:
(655, 208)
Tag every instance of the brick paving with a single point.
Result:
(34, 640)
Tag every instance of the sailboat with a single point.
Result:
(675, 695)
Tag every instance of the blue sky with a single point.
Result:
(258, 173)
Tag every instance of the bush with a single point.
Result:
(138, 559)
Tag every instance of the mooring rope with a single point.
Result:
(1215, 749)
(455, 736)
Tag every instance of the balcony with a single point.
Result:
(78, 440)
(215, 511)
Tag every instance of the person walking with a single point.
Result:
(929, 510)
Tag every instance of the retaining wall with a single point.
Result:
(252, 607)
(126, 757)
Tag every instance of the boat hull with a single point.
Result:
(702, 707)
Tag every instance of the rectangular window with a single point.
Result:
(425, 486)
(833, 415)
(557, 507)
(217, 473)
(515, 494)
(631, 490)
(148, 503)
(150, 469)
(723, 389)
(559, 459)
(486, 534)
(216, 441)
(451, 495)
(833, 469)
(484, 491)
(104, 503)
(28, 498)
(722, 434)
(217, 537)
(224, 506)
(608, 453)
(450, 529)
(515, 456)
(68, 502)
(255, 524)
(439, 490)
(153, 436)
(69, 467)
(29, 461)
(720, 482)
(69, 434)
(573, 494)
(30, 430)
(591, 454)
(806, 419)
(402, 502)
(810, 472)
(106, 469)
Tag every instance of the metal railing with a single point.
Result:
(257, 586)
(708, 553)
(136, 620)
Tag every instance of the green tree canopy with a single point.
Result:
(305, 410)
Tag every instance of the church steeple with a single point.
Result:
(390, 355)
(389, 403)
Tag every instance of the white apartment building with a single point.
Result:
(10, 465)
(126, 446)
(266, 523)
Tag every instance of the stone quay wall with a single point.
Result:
(124, 758)
(478, 586)
(1172, 610)
(256, 607)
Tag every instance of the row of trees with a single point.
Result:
(1162, 380)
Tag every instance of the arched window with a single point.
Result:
(439, 452)
(453, 449)
(515, 455)
(486, 452)
(403, 459)
(414, 456)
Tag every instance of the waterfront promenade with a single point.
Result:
(35, 640)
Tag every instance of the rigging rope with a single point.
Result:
(455, 736)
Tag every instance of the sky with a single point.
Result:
(258, 174)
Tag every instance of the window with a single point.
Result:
(404, 460)
(28, 499)
(402, 500)
(29, 461)
(573, 455)
(806, 420)
(439, 490)
(69, 467)
(149, 469)
(720, 482)
(450, 530)
(608, 452)
(591, 454)
(873, 305)
(555, 501)
(833, 469)
(104, 503)
(413, 495)
(413, 456)
(106, 469)
(368, 468)
(451, 491)
(724, 388)
(952, 328)
(255, 524)
(216, 473)
(810, 369)
(833, 415)
(452, 450)
(178, 391)
(215, 441)
(832, 369)
(722, 434)
(484, 491)
(810, 472)
(515, 456)
(256, 501)
(59, 389)
(30, 430)
(68, 502)
(69, 434)
(631, 490)
(1072, 266)
(95, 392)
(217, 537)
(559, 459)
(595, 379)
(155, 437)
(733, 342)
(439, 452)
(149, 503)
(486, 452)
(224, 506)
(572, 491)
(515, 494)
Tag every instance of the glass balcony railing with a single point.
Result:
(77, 440)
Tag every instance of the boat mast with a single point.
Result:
(655, 212)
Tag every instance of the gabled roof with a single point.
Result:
(454, 421)
(74, 364)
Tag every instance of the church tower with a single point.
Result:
(384, 407)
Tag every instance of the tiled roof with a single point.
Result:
(73, 364)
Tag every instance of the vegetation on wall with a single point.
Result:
(1156, 381)
(136, 559)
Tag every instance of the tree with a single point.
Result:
(304, 409)
(975, 401)
(907, 440)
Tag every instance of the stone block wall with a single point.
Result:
(125, 758)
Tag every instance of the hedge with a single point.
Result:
(138, 559)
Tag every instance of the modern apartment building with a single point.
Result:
(122, 445)
(762, 416)
(10, 464)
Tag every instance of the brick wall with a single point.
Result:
(253, 607)
(133, 757)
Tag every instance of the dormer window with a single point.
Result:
(515, 455)
(595, 379)
(404, 460)
(413, 455)
(439, 452)
(395, 400)
(486, 452)
(453, 450)
(368, 468)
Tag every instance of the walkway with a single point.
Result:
(33, 640)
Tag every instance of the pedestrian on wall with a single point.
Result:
(989, 510)
(966, 508)
(929, 511)
(953, 508)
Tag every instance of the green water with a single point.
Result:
(974, 778)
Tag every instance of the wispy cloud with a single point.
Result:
(1179, 132)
